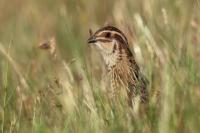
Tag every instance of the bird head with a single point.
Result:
(108, 39)
(112, 44)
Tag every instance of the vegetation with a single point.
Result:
(58, 88)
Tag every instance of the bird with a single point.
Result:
(120, 62)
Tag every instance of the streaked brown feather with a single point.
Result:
(123, 71)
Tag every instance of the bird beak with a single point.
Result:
(92, 39)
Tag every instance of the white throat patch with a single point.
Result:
(110, 59)
(106, 50)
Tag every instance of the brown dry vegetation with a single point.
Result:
(50, 78)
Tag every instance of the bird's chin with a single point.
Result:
(98, 46)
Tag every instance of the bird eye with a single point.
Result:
(108, 34)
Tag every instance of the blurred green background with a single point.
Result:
(59, 90)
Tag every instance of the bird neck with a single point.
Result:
(122, 67)
(110, 59)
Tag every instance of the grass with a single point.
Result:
(62, 91)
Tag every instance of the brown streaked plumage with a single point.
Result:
(120, 62)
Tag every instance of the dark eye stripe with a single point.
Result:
(103, 40)
(108, 34)
(104, 34)
(111, 29)
(114, 35)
